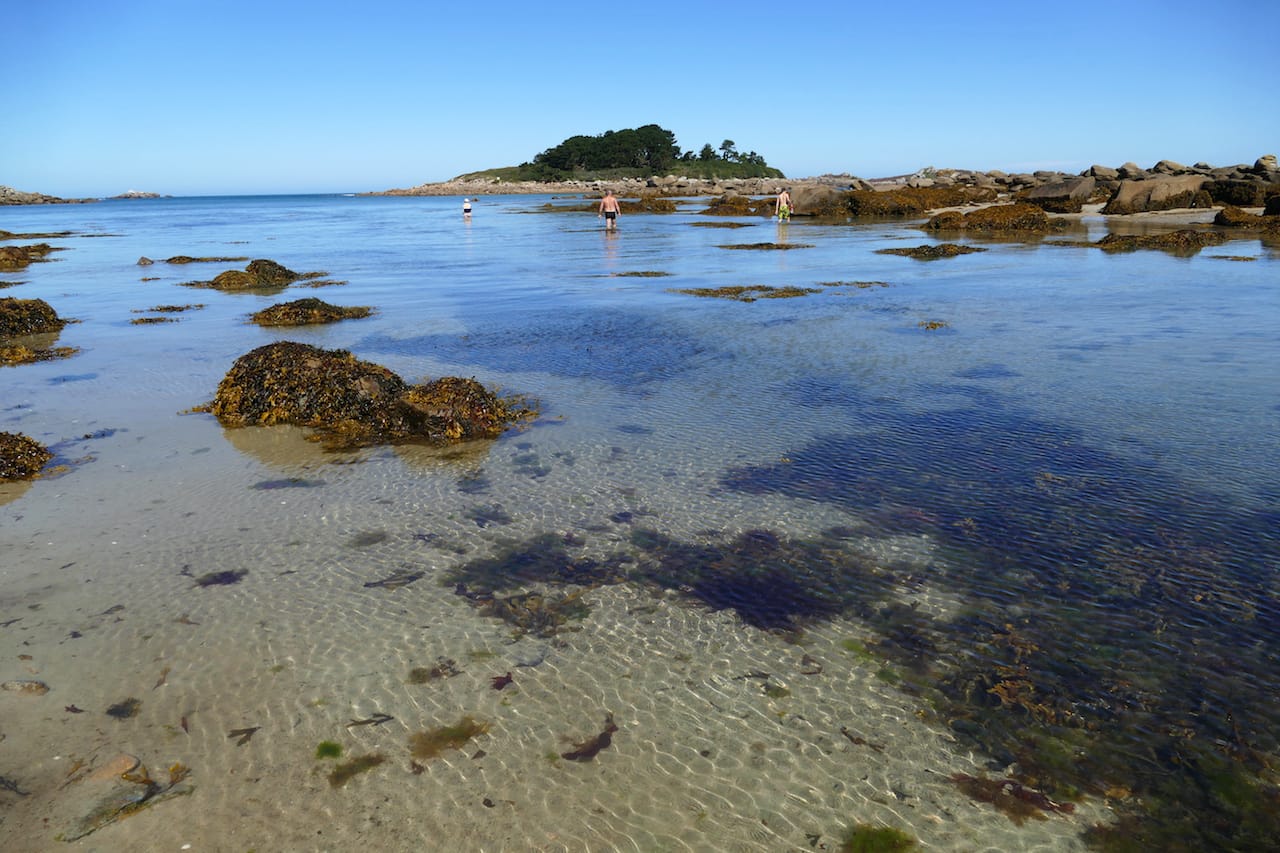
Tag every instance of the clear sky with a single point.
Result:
(193, 97)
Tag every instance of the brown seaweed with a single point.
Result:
(1011, 797)
(397, 579)
(223, 578)
(244, 735)
(443, 668)
(431, 743)
(376, 720)
(500, 681)
(344, 772)
(125, 709)
(591, 747)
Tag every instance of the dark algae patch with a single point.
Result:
(125, 709)
(223, 578)
(765, 246)
(591, 747)
(932, 252)
(747, 293)
(865, 838)
(328, 749)
(348, 770)
(1118, 636)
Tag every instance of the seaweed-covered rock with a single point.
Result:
(305, 312)
(731, 204)
(913, 201)
(999, 217)
(1273, 206)
(21, 458)
(1234, 217)
(261, 274)
(18, 257)
(1184, 241)
(27, 317)
(648, 204)
(353, 402)
(932, 253)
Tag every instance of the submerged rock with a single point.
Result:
(21, 458)
(18, 257)
(353, 402)
(1184, 241)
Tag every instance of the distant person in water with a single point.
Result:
(466, 208)
(609, 209)
(782, 207)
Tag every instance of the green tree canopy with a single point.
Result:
(647, 150)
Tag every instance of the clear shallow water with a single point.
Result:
(1037, 543)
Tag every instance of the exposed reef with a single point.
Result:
(261, 274)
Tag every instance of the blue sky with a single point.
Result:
(188, 97)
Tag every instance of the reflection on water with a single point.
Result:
(1085, 459)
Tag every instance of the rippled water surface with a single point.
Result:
(983, 549)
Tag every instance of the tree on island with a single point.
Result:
(640, 152)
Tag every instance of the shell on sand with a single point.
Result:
(26, 687)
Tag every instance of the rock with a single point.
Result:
(21, 458)
(144, 261)
(1131, 172)
(818, 200)
(1184, 242)
(1066, 196)
(23, 687)
(1273, 206)
(18, 257)
(8, 195)
(27, 317)
(998, 217)
(1105, 173)
(1168, 167)
(119, 788)
(1266, 163)
(355, 403)
(1162, 193)
(306, 312)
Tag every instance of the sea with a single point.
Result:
(807, 544)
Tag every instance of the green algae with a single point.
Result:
(328, 749)
(865, 838)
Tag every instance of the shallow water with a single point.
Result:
(827, 558)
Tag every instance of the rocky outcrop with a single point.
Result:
(18, 257)
(1160, 193)
(8, 195)
(355, 403)
(261, 274)
(1067, 196)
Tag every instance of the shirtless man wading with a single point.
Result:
(609, 209)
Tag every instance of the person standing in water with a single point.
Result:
(466, 208)
(609, 209)
(782, 207)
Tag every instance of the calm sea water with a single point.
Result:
(1050, 523)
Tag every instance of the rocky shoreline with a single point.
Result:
(1128, 188)
(1124, 189)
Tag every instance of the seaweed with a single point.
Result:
(125, 709)
(765, 246)
(747, 292)
(442, 668)
(345, 772)
(1017, 801)
(328, 749)
(12, 786)
(429, 744)
(498, 682)
(591, 747)
(865, 838)
(306, 312)
(21, 457)
(244, 735)
(932, 252)
(376, 720)
(397, 579)
(222, 578)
